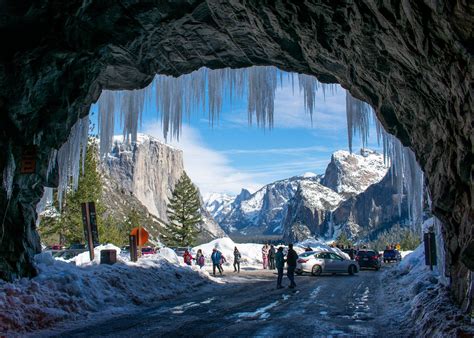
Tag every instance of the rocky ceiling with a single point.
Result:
(411, 60)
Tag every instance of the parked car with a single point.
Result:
(148, 250)
(390, 255)
(77, 246)
(180, 251)
(368, 259)
(319, 262)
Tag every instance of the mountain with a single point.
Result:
(143, 175)
(260, 213)
(354, 195)
(350, 174)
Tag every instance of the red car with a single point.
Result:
(148, 250)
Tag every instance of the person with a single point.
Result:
(265, 256)
(280, 264)
(237, 257)
(200, 260)
(351, 252)
(308, 249)
(187, 257)
(271, 257)
(223, 260)
(216, 261)
(291, 258)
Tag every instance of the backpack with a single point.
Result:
(201, 260)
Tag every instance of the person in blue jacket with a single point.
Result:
(279, 264)
(216, 261)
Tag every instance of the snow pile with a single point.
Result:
(84, 258)
(421, 302)
(251, 253)
(63, 291)
(316, 245)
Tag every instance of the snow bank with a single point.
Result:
(64, 291)
(251, 253)
(420, 301)
(317, 245)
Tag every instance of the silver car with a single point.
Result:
(320, 262)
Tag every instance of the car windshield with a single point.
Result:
(306, 254)
(367, 253)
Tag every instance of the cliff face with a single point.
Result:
(144, 175)
(148, 170)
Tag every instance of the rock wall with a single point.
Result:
(411, 60)
(149, 170)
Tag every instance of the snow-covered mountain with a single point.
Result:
(350, 174)
(305, 204)
(146, 172)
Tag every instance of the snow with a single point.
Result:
(319, 196)
(358, 172)
(251, 253)
(420, 301)
(309, 175)
(73, 291)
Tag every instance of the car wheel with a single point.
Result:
(352, 270)
(316, 270)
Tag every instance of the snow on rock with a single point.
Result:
(251, 253)
(421, 302)
(350, 174)
(318, 196)
(65, 292)
(84, 258)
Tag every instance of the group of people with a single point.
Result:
(272, 259)
(268, 257)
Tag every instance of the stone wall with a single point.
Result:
(410, 60)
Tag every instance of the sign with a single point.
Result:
(429, 240)
(90, 227)
(28, 160)
(140, 234)
(133, 248)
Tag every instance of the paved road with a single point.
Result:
(250, 305)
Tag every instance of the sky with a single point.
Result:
(231, 154)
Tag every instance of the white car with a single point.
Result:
(320, 262)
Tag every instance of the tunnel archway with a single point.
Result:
(410, 61)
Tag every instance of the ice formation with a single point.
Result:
(69, 157)
(9, 173)
(405, 171)
(208, 89)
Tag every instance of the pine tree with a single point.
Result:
(184, 213)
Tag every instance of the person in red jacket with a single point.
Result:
(187, 257)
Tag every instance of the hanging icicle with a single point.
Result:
(9, 173)
(69, 156)
(406, 174)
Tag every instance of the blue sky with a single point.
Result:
(232, 155)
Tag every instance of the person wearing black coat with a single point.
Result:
(271, 257)
(291, 258)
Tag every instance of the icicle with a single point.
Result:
(106, 120)
(9, 173)
(358, 114)
(69, 156)
(51, 162)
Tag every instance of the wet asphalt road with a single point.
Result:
(250, 305)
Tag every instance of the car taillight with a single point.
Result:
(375, 257)
(302, 260)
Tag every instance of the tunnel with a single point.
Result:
(410, 60)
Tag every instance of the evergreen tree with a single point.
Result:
(184, 213)
(342, 239)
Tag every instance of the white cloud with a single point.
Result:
(210, 170)
(279, 151)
